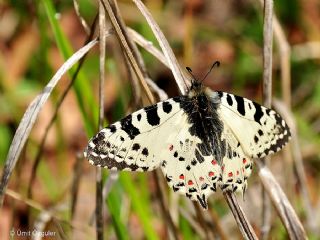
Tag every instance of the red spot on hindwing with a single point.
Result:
(244, 160)
(181, 177)
(190, 182)
(230, 174)
(201, 178)
(214, 162)
(170, 147)
(211, 174)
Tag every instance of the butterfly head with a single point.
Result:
(197, 86)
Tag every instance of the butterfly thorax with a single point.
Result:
(201, 106)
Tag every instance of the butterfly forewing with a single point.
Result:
(260, 131)
(135, 142)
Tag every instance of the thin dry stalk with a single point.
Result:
(241, 219)
(167, 51)
(193, 223)
(286, 212)
(202, 221)
(99, 184)
(216, 221)
(148, 46)
(82, 21)
(173, 231)
(267, 96)
(122, 35)
(297, 157)
(77, 169)
(43, 219)
(136, 94)
(38, 207)
(284, 54)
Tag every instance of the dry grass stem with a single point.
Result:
(284, 54)
(38, 207)
(173, 231)
(215, 219)
(124, 40)
(102, 58)
(298, 161)
(77, 170)
(195, 225)
(241, 219)
(167, 51)
(267, 96)
(82, 20)
(280, 202)
(148, 46)
(202, 221)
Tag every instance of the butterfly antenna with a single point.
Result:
(190, 72)
(216, 63)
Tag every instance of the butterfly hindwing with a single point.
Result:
(260, 130)
(186, 170)
(237, 166)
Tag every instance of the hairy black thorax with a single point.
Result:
(204, 119)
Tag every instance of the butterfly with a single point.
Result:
(202, 141)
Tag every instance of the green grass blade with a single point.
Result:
(140, 206)
(82, 87)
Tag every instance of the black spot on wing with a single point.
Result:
(258, 113)
(112, 128)
(240, 105)
(136, 146)
(202, 200)
(193, 162)
(199, 157)
(167, 107)
(111, 163)
(168, 178)
(145, 152)
(268, 111)
(127, 126)
(139, 117)
(152, 115)
(98, 139)
(229, 99)
(280, 142)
